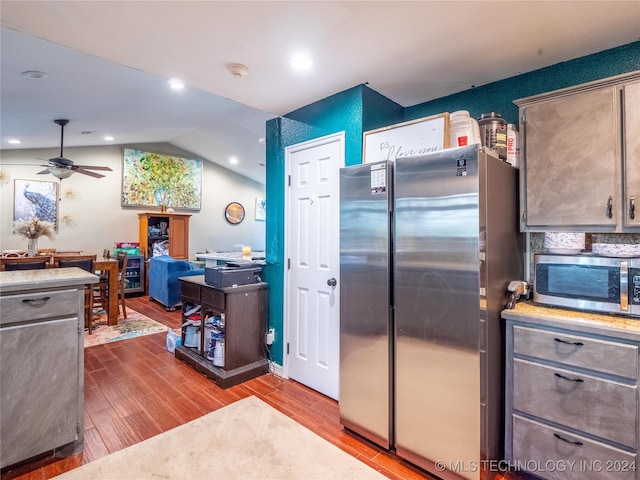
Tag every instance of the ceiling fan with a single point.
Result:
(62, 167)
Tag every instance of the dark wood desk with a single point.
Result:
(245, 310)
(111, 265)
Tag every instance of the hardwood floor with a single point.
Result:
(135, 389)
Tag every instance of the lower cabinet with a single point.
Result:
(237, 319)
(572, 402)
(42, 361)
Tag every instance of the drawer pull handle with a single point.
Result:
(572, 442)
(578, 380)
(36, 302)
(577, 344)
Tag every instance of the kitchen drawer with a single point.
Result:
(604, 408)
(190, 291)
(40, 305)
(541, 449)
(576, 350)
(213, 298)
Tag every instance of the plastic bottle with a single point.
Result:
(463, 129)
(218, 356)
(513, 146)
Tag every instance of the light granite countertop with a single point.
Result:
(236, 257)
(24, 280)
(619, 326)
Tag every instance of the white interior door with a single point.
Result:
(313, 235)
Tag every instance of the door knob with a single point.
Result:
(332, 282)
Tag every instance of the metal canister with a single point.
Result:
(493, 133)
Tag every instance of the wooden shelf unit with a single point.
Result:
(245, 311)
(177, 233)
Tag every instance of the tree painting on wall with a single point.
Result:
(38, 199)
(158, 180)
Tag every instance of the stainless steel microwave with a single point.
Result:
(588, 282)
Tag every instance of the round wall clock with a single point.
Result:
(234, 213)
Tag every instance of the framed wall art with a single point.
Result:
(159, 180)
(407, 139)
(35, 198)
(261, 209)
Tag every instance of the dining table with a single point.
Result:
(110, 265)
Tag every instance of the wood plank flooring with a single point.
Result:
(135, 389)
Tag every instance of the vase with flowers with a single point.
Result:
(32, 229)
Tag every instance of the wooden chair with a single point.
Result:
(23, 263)
(85, 262)
(102, 295)
(67, 253)
(14, 253)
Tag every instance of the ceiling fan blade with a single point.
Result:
(91, 167)
(87, 172)
(43, 172)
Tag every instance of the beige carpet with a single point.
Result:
(245, 440)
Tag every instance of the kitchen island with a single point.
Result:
(41, 362)
(571, 393)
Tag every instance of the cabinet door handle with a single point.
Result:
(577, 344)
(632, 208)
(36, 302)
(577, 380)
(610, 207)
(572, 442)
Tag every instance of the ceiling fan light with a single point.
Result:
(60, 173)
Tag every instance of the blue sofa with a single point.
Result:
(164, 272)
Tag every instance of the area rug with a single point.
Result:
(248, 439)
(134, 325)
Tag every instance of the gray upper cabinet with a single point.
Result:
(580, 168)
(631, 96)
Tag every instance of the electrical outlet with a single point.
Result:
(270, 336)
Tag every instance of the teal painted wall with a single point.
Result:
(499, 96)
(360, 109)
(280, 133)
(346, 111)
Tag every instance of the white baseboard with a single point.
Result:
(276, 369)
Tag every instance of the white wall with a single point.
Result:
(98, 219)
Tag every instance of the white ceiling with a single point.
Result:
(109, 62)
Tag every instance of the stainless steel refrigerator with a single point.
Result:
(425, 263)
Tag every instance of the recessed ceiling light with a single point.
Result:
(14, 141)
(301, 62)
(233, 160)
(34, 74)
(109, 138)
(176, 84)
